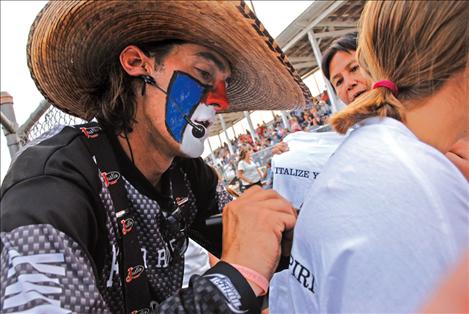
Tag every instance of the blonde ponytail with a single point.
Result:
(376, 102)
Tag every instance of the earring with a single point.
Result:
(147, 79)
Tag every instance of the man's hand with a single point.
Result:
(253, 226)
(459, 155)
(280, 148)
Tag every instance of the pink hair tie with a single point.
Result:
(387, 84)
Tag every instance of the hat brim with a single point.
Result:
(71, 43)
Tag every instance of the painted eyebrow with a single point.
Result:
(211, 57)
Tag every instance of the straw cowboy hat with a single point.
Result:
(71, 44)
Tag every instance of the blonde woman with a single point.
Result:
(389, 214)
(248, 172)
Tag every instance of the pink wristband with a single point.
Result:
(254, 277)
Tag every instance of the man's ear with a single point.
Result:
(134, 61)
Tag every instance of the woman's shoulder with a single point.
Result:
(241, 163)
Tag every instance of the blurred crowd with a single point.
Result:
(267, 135)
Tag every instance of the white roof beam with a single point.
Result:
(334, 33)
(318, 54)
(301, 59)
(334, 6)
(327, 23)
(303, 65)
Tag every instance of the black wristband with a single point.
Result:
(234, 286)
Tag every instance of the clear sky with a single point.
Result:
(17, 17)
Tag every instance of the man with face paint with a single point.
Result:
(109, 216)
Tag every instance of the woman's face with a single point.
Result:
(346, 76)
(248, 153)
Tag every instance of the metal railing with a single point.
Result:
(42, 119)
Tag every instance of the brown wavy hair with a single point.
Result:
(417, 45)
(113, 100)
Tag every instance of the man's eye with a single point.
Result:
(205, 75)
(338, 82)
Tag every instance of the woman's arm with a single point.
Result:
(261, 175)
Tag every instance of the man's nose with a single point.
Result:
(217, 97)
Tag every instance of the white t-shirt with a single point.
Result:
(294, 171)
(381, 226)
(249, 172)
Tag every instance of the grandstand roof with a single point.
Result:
(328, 20)
(230, 119)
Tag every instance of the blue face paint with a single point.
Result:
(183, 97)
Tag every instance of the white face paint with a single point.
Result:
(191, 146)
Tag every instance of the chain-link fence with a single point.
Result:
(44, 118)
(51, 118)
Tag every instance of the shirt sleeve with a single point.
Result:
(45, 271)
(50, 232)
(222, 289)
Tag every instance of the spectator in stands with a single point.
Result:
(234, 144)
(294, 124)
(298, 114)
(282, 132)
(387, 218)
(325, 97)
(323, 111)
(274, 135)
(248, 170)
(268, 175)
(306, 119)
(249, 138)
(260, 130)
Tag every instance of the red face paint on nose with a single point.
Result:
(217, 97)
